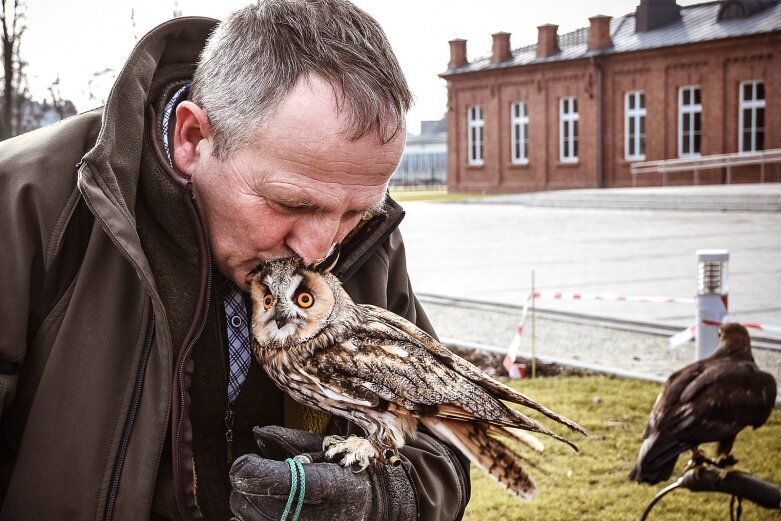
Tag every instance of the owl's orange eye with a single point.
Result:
(305, 299)
(268, 300)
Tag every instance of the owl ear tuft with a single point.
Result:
(327, 264)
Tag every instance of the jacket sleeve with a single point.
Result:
(23, 225)
(439, 472)
(21, 268)
(38, 200)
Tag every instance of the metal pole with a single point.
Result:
(534, 346)
(712, 298)
(729, 170)
(729, 173)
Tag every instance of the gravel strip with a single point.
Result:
(580, 342)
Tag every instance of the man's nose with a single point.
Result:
(314, 238)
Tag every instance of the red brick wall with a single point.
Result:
(540, 88)
(717, 67)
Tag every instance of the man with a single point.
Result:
(126, 383)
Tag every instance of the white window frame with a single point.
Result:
(475, 135)
(569, 121)
(638, 116)
(519, 131)
(753, 105)
(689, 110)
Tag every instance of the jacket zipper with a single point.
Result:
(229, 434)
(184, 358)
(129, 422)
(229, 415)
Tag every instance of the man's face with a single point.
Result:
(299, 188)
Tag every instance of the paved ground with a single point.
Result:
(572, 341)
(615, 246)
(743, 197)
(486, 252)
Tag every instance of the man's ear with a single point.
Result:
(191, 136)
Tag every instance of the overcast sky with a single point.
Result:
(76, 39)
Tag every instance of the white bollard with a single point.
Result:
(712, 296)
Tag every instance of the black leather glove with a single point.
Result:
(261, 483)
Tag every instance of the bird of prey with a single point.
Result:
(710, 400)
(383, 373)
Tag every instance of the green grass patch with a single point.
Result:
(593, 484)
(431, 195)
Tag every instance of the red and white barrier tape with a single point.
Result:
(518, 370)
(513, 369)
(690, 332)
(559, 295)
(749, 325)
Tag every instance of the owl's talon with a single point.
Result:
(330, 441)
(355, 450)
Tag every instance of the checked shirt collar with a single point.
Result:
(239, 349)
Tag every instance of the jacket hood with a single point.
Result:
(114, 160)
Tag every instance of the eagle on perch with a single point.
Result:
(710, 400)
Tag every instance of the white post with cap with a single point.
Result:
(712, 298)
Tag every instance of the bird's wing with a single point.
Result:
(380, 366)
(668, 431)
(394, 326)
(766, 388)
(712, 401)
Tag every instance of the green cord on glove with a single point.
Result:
(297, 486)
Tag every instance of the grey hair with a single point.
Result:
(257, 55)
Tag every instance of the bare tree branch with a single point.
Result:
(13, 28)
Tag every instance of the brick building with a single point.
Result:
(575, 110)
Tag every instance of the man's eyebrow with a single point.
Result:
(294, 202)
(302, 203)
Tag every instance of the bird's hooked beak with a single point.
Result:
(281, 318)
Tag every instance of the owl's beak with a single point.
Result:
(280, 318)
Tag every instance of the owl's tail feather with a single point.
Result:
(525, 437)
(503, 392)
(488, 453)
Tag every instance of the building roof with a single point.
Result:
(698, 23)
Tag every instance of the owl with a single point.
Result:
(380, 371)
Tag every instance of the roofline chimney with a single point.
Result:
(599, 32)
(652, 14)
(547, 40)
(501, 47)
(457, 53)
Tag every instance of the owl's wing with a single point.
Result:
(381, 365)
(385, 320)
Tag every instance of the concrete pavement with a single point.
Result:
(631, 242)
(737, 197)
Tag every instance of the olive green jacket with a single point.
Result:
(91, 383)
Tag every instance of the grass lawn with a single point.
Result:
(430, 195)
(593, 484)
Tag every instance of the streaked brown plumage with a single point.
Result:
(710, 400)
(383, 373)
